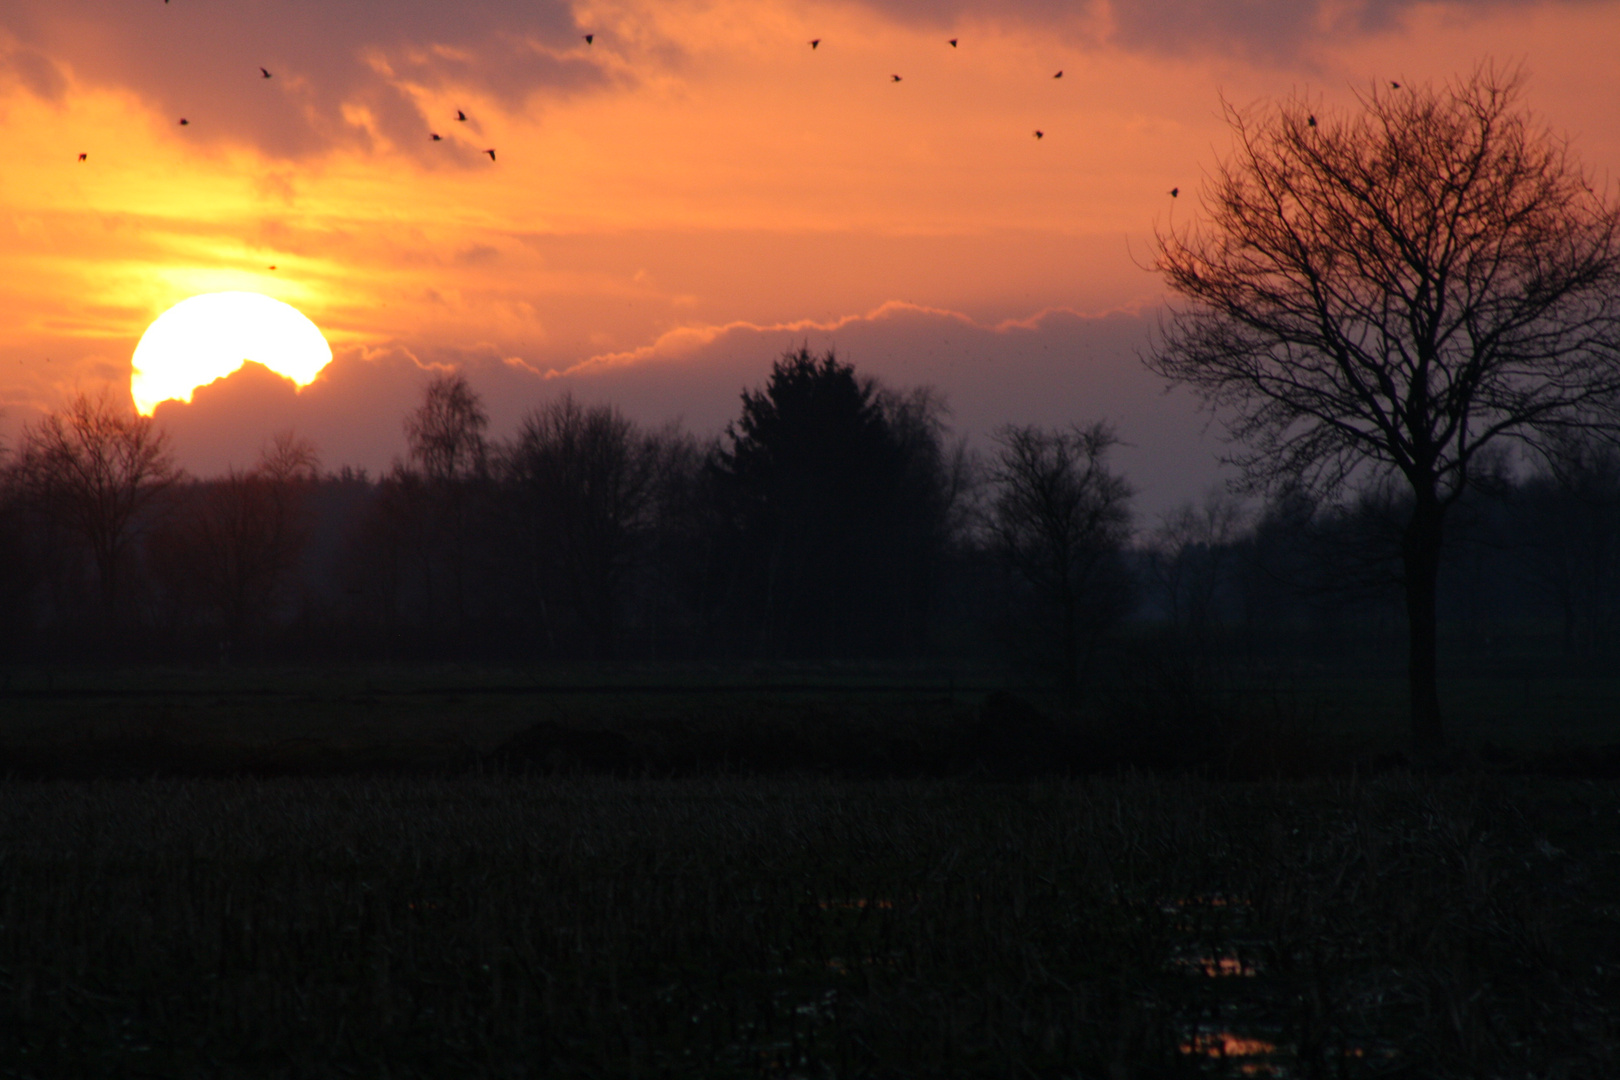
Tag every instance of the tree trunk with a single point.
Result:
(1069, 630)
(106, 558)
(1420, 555)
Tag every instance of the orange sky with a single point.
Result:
(673, 204)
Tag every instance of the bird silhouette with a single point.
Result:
(815, 42)
(491, 154)
(460, 115)
(896, 78)
(183, 120)
(953, 43)
(83, 156)
(1059, 75)
(1311, 120)
(589, 38)
(1039, 134)
(1174, 192)
(265, 72)
(1393, 85)
(435, 136)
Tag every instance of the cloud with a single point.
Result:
(1054, 368)
(1057, 367)
(1266, 30)
(30, 68)
(344, 72)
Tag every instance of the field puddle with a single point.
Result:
(1247, 1054)
(1215, 966)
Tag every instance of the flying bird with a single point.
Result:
(1039, 134)
(1174, 192)
(183, 120)
(435, 136)
(272, 266)
(896, 78)
(953, 43)
(589, 38)
(83, 156)
(491, 154)
(1311, 120)
(1059, 75)
(814, 42)
(265, 72)
(460, 115)
(1393, 85)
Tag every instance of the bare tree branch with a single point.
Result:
(92, 468)
(1391, 291)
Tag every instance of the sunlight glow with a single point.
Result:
(209, 336)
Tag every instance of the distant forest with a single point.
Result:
(836, 519)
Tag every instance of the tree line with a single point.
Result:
(835, 519)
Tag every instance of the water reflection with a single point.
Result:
(1222, 1045)
(1216, 967)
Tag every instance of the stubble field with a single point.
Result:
(809, 926)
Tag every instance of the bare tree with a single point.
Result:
(91, 469)
(437, 506)
(289, 458)
(1389, 292)
(587, 483)
(1059, 518)
(1192, 555)
(446, 432)
(17, 575)
(236, 540)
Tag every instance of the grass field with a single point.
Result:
(509, 926)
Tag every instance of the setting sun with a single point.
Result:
(209, 336)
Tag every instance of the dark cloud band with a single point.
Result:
(1261, 29)
(329, 61)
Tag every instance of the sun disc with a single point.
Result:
(208, 336)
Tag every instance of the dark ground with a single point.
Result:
(340, 874)
(1406, 925)
(855, 721)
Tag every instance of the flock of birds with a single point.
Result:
(461, 116)
(815, 43)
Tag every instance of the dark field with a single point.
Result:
(592, 926)
(861, 721)
(816, 872)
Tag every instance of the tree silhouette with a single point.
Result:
(446, 432)
(1567, 538)
(431, 504)
(92, 469)
(1390, 292)
(586, 484)
(827, 478)
(1059, 518)
(1191, 556)
(235, 540)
